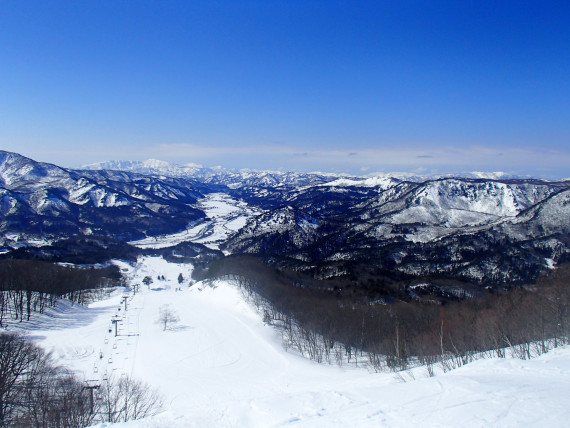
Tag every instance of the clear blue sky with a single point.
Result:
(354, 86)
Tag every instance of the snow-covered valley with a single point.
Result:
(219, 365)
(225, 216)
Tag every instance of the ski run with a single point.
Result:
(220, 366)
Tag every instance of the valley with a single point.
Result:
(224, 217)
(486, 232)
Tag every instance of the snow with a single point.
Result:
(21, 240)
(382, 182)
(221, 366)
(497, 175)
(225, 217)
(155, 163)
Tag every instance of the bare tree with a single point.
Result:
(16, 356)
(167, 317)
(36, 393)
(127, 399)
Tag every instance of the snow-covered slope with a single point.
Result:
(221, 366)
(43, 202)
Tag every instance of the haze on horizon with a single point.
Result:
(354, 87)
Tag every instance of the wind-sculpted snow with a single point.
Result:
(220, 366)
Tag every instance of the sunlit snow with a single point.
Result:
(220, 366)
(225, 216)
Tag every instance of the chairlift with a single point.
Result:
(110, 361)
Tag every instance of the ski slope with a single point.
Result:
(220, 366)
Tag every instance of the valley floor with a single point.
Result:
(220, 366)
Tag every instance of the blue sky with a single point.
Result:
(355, 86)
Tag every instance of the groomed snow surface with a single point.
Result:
(220, 366)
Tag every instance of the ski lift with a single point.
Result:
(110, 361)
(115, 345)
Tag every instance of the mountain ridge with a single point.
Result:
(488, 231)
(160, 167)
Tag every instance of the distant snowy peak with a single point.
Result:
(114, 165)
(250, 177)
(497, 175)
(155, 163)
(380, 182)
(216, 175)
(149, 167)
(235, 178)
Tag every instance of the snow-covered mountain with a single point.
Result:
(149, 167)
(218, 175)
(489, 231)
(481, 230)
(43, 202)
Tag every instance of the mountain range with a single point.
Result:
(356, 230)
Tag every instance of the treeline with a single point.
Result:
(79, 249)
(28, 286)
(36, 393)
(326, 325)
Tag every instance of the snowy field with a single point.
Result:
(220, 366)
(225, 217)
